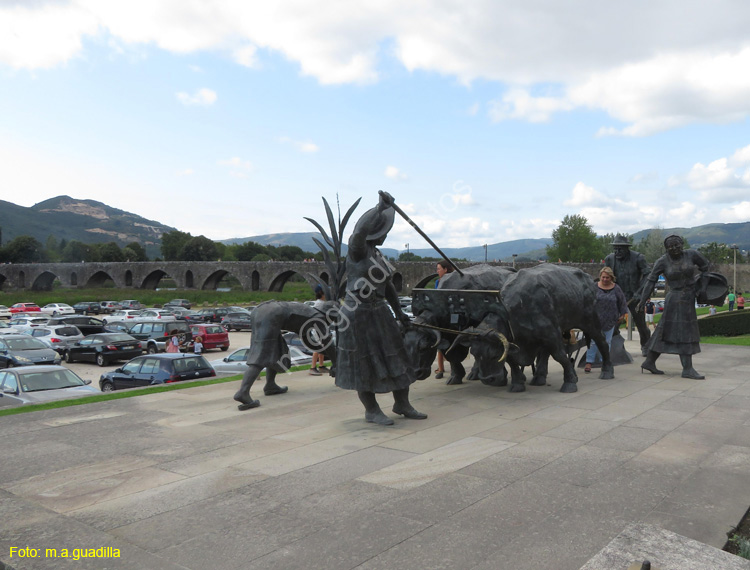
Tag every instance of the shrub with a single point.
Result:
(725, 324)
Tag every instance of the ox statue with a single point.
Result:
(535, 306)
(422, 342)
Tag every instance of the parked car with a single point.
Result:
(293, 339)
(237, 321)
(118, 327)
(236, 362)
(131, 304)
(109, 306)
(215, 314)
(87, 325)
(178, 312)
(154, 334)
(659, 306)
(56, 309)
(37, 384)
(5, 328)
(214, 336)
(24, 308)
(104, 348)
(192, 317)
(5, 312)
(123, 315)
(57, 337)
(156, 314)
(156, 369)
(21, 322)
(179, 303)
(87, 308)
(23, 350)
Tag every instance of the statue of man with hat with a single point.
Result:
(631, 270)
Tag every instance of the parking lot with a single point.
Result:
(90, 371)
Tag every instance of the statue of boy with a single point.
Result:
(631, 270)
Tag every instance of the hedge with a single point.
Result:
(731, 323)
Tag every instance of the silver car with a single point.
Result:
(37, 384)
(5, 328)
(236, 363)
(57, 337)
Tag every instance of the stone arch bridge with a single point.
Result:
(252, 276)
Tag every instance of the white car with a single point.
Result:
(58, 309)
(236, 363)
(155, 314)
(5, 312)
(5, 328)
(22, 322)
(123, 316)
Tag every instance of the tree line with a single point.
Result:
(574, 240)
(175, 246)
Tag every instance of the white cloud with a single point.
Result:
(394, 173)
(738, 213)
(246, 56)
(519, 104)
(649, 66)
(238, 167)
(583, 195)
(203, 96)
(302, 146)
(186, 172)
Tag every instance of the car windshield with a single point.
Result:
(24, 343)
(55, 380)
(67, 331)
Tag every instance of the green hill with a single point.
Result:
(88, 221)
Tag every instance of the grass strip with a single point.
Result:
(132, 393)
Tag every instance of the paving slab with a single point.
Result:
(491, 479)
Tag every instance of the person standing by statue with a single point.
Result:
(371, 357)
(677, 331)
(631, 270)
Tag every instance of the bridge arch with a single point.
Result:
(2, 280)
(74, 279)
(278, 282)
(44, 281)
(421, 284)
(21, 280)
(189, 279)
(151, 281)
(255, 281)
(128, 278)
(213, 280)
(98, 279)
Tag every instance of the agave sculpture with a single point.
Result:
(335, 262)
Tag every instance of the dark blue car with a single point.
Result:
(156, 369)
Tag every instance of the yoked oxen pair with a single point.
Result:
(535, 306)
(432, 310)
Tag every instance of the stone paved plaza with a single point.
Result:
(491, 480)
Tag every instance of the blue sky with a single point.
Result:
(487, 121)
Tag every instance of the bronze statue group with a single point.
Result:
(366, 320)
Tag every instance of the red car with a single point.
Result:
(25, 308)
(214, 336)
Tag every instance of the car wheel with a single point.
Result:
(100, 360)
(152, 349)
(67, 357)
(224, 348)
(108, 387)
(54, 313)
(9, 364)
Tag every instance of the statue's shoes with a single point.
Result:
(651, 368)
(692, 373)
(410, 413)
(245, 402)
(378, 418)
(276, 390)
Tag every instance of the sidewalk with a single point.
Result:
(491, 480)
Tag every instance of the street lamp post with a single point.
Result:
(734, 247)
(485, 253)
(514, 260)
(407, 249)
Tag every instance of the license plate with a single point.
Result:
(127, 347)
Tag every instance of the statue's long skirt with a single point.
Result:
(370, 355)
(677, 331)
